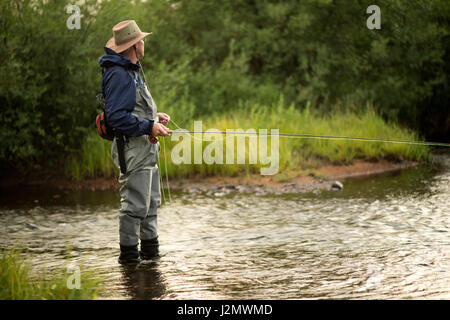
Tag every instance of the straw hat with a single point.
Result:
(125, 35)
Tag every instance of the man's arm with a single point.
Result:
(120, 95)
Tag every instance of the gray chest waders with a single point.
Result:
(140, 194)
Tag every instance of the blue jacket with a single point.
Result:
(119, 91)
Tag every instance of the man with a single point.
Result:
(131, 111)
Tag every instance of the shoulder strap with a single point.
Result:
(133, 76)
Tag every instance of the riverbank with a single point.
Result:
(321, 178)
(303, 164)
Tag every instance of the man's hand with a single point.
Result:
(163, 118)
(160, 130)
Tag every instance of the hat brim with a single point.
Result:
(111, 44)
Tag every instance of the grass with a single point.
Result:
(95, 159)
(297, 154)
(18, 283)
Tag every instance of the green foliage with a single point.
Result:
(18, 283)
(95, 160)
(214, 57)
(46, 93)
(294, 153)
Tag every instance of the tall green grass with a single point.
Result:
(94, 159)
(18, 283)
(294, 153)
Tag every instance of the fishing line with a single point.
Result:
(188, 132)
(161, 181)
(165, 168)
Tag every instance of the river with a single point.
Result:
(381, 237)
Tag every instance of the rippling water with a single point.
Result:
(383, 237)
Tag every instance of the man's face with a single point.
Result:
(140, 49)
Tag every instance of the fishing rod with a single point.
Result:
(318, 136)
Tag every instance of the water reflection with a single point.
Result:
(144, 281)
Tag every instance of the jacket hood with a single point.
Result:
(112, 58)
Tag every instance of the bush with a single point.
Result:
(216, 55)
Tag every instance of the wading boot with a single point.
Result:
(129, 255)
(149, 249)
